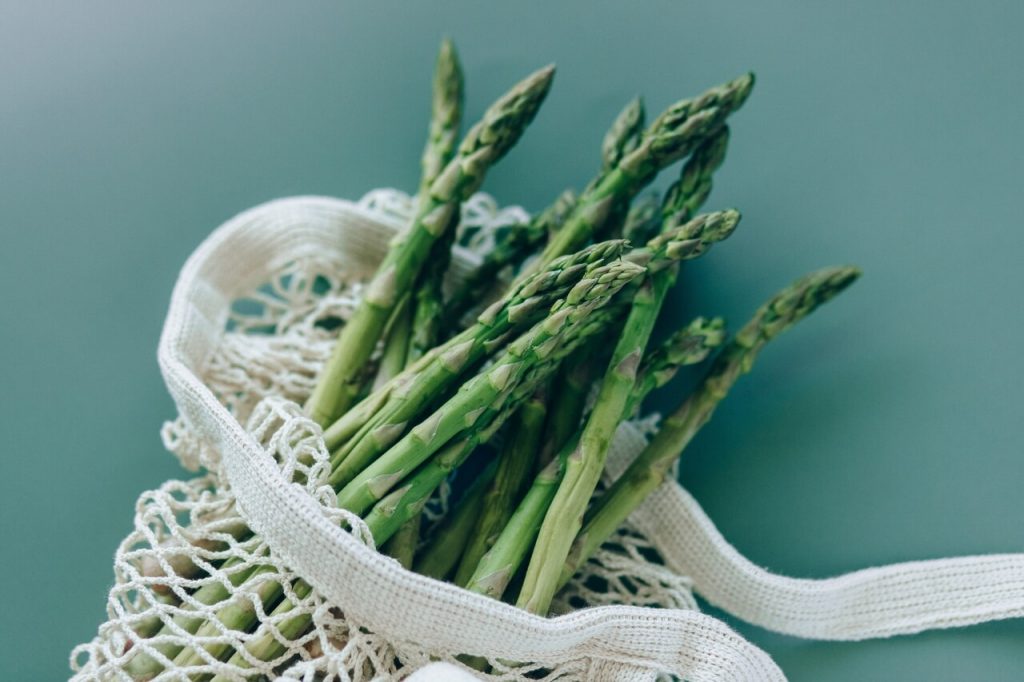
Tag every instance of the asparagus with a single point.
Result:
(484, 144)
(670, 137)
(463, 410)
(423, 335)
(586, 462)
(503, 559)
(622, 138)
(429, 300)
(395, 508)
(432, 376)
(396, 348)
(690, 192)
(591, 278)
(145, 666)
(649, 470)
(441, 555)
(624, 135)
(586, 296)
(402, 545)
(446, 116)
(514, 467)
(496, 568)
(571, 323)
(500, 563)
(687, 346)
(573, 388)
(268, 646)
(383, 521)
(643, 221)
(493, 572)
(511, 245)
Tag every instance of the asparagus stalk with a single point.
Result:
(396, 348)
(422, 336)
(383, 521)
(621, 139)
(441, 555)
(670, 137)
(429, 300)
(649, 470)
(431, 377)
(503, 559)
(586, 462)
(498, 566)
(484, 145)
(494, 571)
(514, 467)
(624, 135)
(268, 646)
(589, 278)
(396, 508)
(463, 410)
(573, 388)
(145, 666)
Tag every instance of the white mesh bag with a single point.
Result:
(252, 317)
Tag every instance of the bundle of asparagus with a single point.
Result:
(516, 367)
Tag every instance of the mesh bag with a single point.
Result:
(254, 314)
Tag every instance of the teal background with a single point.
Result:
(886, 428)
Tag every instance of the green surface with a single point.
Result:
(886, 429)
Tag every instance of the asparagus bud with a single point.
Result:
(687, 346)
(624, 135)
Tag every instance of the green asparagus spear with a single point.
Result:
(586, 462)
(483, 145)
(621, 139)
(441, 554)
(688, 346)
(423, 335)
(643, 221)
(514, 468)
(572, 388)
(673, 135)
(446, 116)
(648, 471)
(396, 348)
(624, 135)
(501, 562)
(571, 323)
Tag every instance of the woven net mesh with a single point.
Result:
(190, 565)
